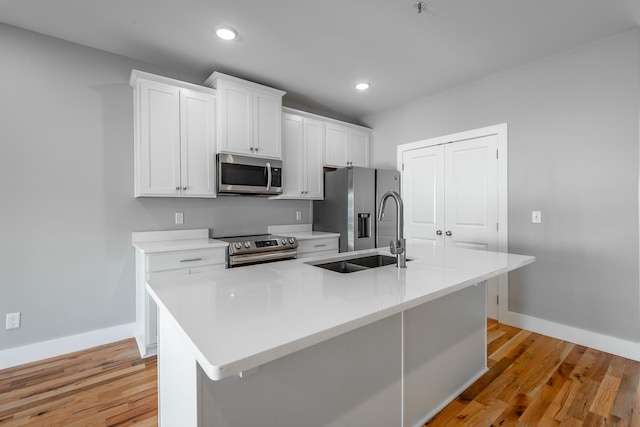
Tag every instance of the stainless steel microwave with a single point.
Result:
(249, 175)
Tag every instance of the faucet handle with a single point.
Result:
(396, 246)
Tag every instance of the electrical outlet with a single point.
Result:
(179, 218)
(13, 321)
(298, 216)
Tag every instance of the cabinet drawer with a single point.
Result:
(317, 245)
(186, 259)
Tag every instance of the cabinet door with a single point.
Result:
(197, 121)
(292, 152)
(336, 140)
(158, 145)
(267, 115)
(359, 148)
(235, 128)
(313, 158)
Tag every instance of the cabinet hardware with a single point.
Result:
(191, 259)
(439, 232)
(178, 188)
(184, 188)
(448, 233)
(319, 246)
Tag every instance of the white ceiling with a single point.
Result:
(317, 50)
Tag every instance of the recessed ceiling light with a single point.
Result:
(363, 85)
(226, 33)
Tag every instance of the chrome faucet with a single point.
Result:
(397, 247)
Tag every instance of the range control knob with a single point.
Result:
(237, 245)
(284, 241)
(247, 245)
(291, 240)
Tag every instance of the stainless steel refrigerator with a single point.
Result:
(351, 199)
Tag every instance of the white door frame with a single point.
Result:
(500, 131)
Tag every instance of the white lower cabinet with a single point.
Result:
(313, 247)
(170, 263)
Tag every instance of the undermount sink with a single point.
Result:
(351, 265)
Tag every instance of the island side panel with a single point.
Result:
(350, 380)
(444, 351)
(177, 376)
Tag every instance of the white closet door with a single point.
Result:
(450, 193)
(471, 189)
(423, 191)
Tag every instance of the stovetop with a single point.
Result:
(251, 237)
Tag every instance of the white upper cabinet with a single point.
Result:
(174, 137)
(346, 146)
(302, 147)
(249, 117)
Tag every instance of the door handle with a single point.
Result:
(448, 233)
(439, 232)
(268, 176)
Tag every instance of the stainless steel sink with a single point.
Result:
(351, 265)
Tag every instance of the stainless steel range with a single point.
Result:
(246, 250)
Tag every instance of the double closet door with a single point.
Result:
(451, 193)
(451, 197)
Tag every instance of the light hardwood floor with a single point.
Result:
(533, 380)
(105, 386)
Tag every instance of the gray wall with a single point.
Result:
(67, 211)
(573, 154)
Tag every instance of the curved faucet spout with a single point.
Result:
(397, 247)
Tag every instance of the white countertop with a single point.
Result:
(238, 319)
(179, 245)
(174, 240)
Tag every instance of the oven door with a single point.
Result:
(259, 258)
(249, 175)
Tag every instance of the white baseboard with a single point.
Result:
(59, 346)
(606, 343)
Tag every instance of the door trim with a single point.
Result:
(500, 130)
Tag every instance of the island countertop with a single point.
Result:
(238, 319)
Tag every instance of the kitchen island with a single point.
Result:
(291, 344)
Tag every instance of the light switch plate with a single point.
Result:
(536, 217)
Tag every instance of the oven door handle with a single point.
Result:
(268, 176)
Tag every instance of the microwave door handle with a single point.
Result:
(268, 176)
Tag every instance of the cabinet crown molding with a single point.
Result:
(213, 79)
(142, 75)
(301, 113)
